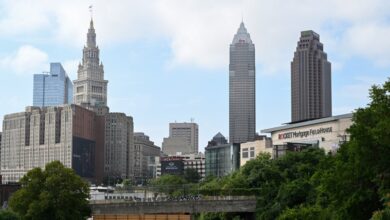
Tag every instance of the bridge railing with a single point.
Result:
(163, 199)
(174, 193)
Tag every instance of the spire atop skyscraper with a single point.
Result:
(90, 87)
(91, 35)
(91, 25)
(242, 35)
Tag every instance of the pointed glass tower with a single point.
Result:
(90, 88)
(242, 100)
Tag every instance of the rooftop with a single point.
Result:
(242, 35)
(306, 123)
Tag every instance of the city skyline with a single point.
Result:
(180, 70)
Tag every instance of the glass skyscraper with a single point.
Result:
(53, 88)
(242, 98)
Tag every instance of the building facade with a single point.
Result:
(145, 153)
(189, 131)
(311, 92)
(250, 150)
(90, 88)
(242, 88)
(197, 162)
(174, 145)
(53, 88)
(119, 153)
(221, 158)
(327, 133)
(176, 165)
(69, 134)
(183, 138)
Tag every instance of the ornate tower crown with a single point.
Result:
(91, 87)
(91, 35)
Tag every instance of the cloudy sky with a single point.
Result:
(167, 60)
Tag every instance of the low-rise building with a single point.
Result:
(222, 158)
(195, 161)
(327, 133)
(173, 165)
(250, 150)
(176, 165)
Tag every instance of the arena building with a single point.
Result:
(327, 133)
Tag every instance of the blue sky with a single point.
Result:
(167, 61)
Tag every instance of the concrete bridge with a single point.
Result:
(206, 204)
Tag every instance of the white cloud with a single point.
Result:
(70, 67)
(200, 31)
(370, 41)
(27, 59)
(20, 17)
(359, 88)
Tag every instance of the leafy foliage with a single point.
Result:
(54, 193)
(352, 184)
(172, 185)
(360, 175)
(191, 175)
(8, 215)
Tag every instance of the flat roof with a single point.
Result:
(305, 123)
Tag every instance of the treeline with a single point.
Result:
(354, 183)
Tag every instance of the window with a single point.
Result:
(80, 89)
(245, 153)
(97, 89)
(252, 152)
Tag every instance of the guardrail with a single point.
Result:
(173, 199)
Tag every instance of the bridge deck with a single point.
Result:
(207, 204)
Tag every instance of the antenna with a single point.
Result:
(192, 120)
(91, 10)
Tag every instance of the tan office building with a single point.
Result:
(70, 134)
(327, 133)
(250, 150)
(183, 138)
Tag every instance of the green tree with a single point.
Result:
(303, 213)
(385, 213)
(173, 185)
(54, 193)
(8, 215)
(360, 176)
(191, 175)
(127, 184)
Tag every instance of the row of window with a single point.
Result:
(248, 153)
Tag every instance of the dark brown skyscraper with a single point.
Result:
(311, 94)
